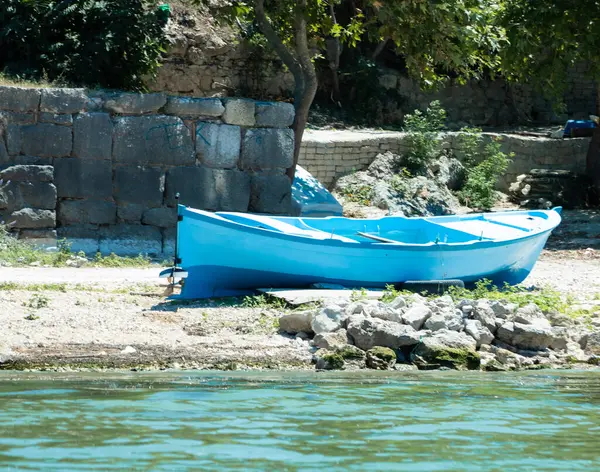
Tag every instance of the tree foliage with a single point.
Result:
(546, 38)
(460, 38)
(107, 43)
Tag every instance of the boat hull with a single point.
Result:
(221, 261)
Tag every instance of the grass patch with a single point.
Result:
(360, 194)
(114, 261)
(20, 253)
(16, 81)
(38, 301)
(546, 299)
(263, 301)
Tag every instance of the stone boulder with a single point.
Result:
(331, 340)
(385, 185)
(483, 312)
(529, 314)
(381, 358)
(452, 320)
(503, 309)
(478, 332)
(416, 315)
(328, 319)
(327, 360)
(535, 336)
(384, 311)
(448, 172)
(592, 346)
(446, 349)
(369, 332)
(298, 322)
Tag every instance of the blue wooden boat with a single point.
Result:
(226, 254)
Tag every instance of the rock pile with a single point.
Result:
(543, 188)
(413, 332)
(385, 185)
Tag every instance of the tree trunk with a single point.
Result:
(593, 154)
(301, 66)
(302, 108)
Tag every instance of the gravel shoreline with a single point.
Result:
(119, 318)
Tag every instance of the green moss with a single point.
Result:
(460, 359)
(349, 352)
(384, 353)
(335, 361)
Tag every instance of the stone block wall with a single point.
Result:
(330, 154)
(118, 159)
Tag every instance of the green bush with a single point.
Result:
(423, 139)
(105, 43)
(485, 163)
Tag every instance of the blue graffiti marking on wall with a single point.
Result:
(166, 134)
(200, 135)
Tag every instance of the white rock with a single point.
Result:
(436, 322)
(478, 332)
(386, 312)
(416, 315)
(398, 302)
(128, 350)
(331, 340)
(484, 313)
(467, 309)
(529, 314)
(298, 322)
(503, 309)
(328, 319)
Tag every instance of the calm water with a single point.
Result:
(418, 421)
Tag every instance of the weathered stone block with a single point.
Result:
(144, 185)
(168, 246)
(212, 189)
(82, 238)
(275, 114)
(30, 218)
(23, 173)
(131, 240)
(239, 111)
(13, 139)
(39, 237)
(63, 100)
(271, 194)
(31, 161)
(163, 140)
(93, 136)
(186, 106)
(267, 149)
(135, 103)
(46, 140)
(57, 119)
(4, 157)
(98, 212)
(218, 145)
(77, 178)
(17, 118)
(161, 217)
(19, 99)
(41, 195)
(130, 212)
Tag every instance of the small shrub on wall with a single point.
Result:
(105, 43)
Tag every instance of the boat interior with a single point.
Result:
(401, 230)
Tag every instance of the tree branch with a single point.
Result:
(379, 49)
(302, 39)
(275, 41)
